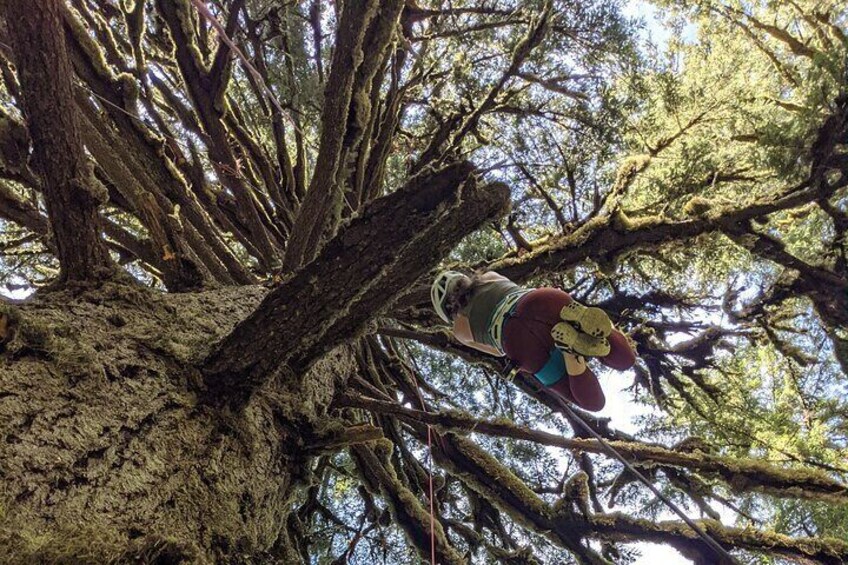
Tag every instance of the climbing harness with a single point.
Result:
(708, 539)
(501, 314)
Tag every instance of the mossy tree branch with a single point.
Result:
(483, 473)
(141, 150)
(380, 479)
(741, 474)
(361, 26)
(204, 92)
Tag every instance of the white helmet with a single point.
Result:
(444, 285)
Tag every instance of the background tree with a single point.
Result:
(232, 212)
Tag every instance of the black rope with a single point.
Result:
(714, 545)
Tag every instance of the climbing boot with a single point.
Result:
(588, 319)
(569, 339)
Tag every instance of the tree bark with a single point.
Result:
(321, 210)
(70, 192)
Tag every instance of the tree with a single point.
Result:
(232, 212)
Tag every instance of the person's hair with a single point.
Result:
(461, 295)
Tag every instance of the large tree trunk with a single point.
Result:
(105, 454)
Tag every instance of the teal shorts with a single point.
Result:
(553, 370)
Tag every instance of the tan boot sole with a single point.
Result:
(569, 339)
(589, 319)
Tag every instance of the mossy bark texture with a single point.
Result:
(106, 454)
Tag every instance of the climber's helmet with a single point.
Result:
(443, 287)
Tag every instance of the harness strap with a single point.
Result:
(501, 315)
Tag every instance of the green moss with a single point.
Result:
(88, 44)
(26, 334)
(185, 16)
(628, 170)
(383, 449)
(623, 222)
(87, 543)
(500, 478)
(336, 434)
(698, 206)
(134, 16)
(104, 31)
(83, 544)
(362, 103)
(220, 102)
(129, 90)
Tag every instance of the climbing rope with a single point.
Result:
(708, 539)
(510, 372)
(429, 473)
(432, 514)
(207, 14)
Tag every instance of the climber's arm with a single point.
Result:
(462, 332)
(490, 276)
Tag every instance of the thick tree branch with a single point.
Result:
(321, 211)
(486, 475)
(397, 239)
(379, 478)
(607, 237)
(21, 212)
(218, 72)
(211, 107)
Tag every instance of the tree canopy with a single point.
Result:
(293, 174)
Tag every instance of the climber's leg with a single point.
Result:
(621, 355)
(568, 377)
(580, 384)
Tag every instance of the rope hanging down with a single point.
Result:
(207, 14)
(429, 474)
(708, 539)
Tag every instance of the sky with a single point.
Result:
(623, 413)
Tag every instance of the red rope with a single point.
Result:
(429, 473)
(432, 514)
(207, 14)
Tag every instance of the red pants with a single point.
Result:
(527, 341)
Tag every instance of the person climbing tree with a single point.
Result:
(543, 331)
